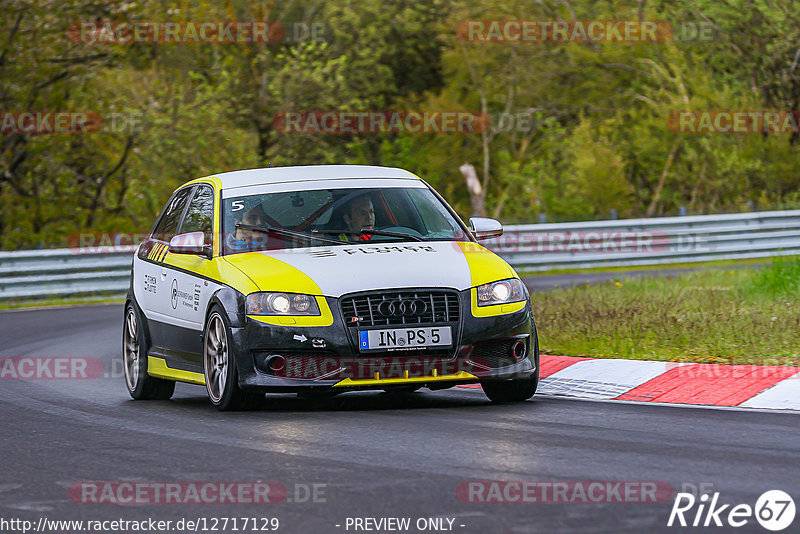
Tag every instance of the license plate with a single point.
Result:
(404, 338)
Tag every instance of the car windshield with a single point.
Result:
(327, 217)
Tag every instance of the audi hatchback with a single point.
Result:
(320, 280)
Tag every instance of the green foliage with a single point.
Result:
(577, 129)
(595, 181)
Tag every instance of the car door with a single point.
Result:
(151, 285)
(189, 285)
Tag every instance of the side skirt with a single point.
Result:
(158, 368)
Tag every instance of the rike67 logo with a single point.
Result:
(774, 510)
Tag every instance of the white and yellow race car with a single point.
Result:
(318, 280)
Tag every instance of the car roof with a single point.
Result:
(305, 173)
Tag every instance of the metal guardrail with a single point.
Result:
(64, 272)
(635, 242)
(532, 247)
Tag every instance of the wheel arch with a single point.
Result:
(131, 299)
(231, 302)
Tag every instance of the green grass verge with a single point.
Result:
(660, 266)
(742, 316)
(54, 302)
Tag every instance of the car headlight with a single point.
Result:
(281, 304)
(501, 292)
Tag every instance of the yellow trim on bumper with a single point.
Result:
(158, 368)
(462, 375)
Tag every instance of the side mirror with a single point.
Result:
(190, 243)
(483, 228)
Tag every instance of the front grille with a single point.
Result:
(494, 353)
(441, 306)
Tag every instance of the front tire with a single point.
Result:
(219, 367)
(141, 385)
(515, 390)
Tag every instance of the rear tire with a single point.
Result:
(141, 385)
(519, 389)
(219, 367)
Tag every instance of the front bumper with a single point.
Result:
(328, 358)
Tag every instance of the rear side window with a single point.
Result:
(168, 225)
(200, 212)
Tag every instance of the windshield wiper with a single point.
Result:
(287, 233)
(368, 231)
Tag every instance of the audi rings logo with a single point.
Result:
(402, 308)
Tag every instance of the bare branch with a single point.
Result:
(11, 36)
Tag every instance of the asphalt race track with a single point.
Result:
(369, 454)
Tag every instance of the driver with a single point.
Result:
(359, 214)
(244, 238)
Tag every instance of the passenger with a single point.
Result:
(246, 239)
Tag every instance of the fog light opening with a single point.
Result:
(518, 349)
(276, 363)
